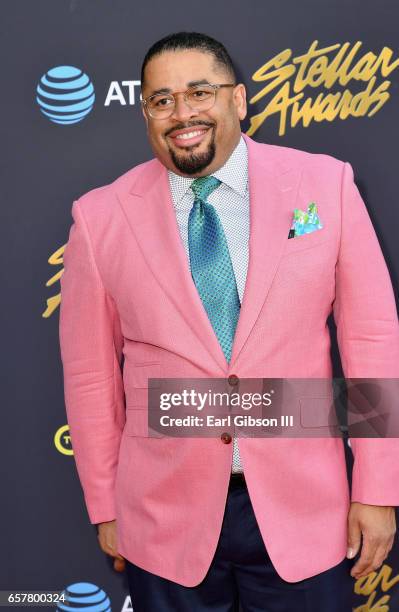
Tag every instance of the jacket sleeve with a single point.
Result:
(368, 338)
(91, 349)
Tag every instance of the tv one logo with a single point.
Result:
(65, 94)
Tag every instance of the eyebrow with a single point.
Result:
(166, 90)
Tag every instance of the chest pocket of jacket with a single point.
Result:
(307, 241)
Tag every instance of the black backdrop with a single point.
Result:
(47, 541)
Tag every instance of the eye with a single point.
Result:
(200, 93)
(161, 102)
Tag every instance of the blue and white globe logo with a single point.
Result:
(65, 95)
(86, 597)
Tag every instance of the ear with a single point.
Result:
(240, 100)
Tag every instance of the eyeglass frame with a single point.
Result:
(215, 86)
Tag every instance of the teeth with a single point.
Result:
(190, 134)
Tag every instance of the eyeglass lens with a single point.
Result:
(198, 98)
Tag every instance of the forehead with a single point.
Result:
(175, 70)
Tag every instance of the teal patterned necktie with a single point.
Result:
(211, 266)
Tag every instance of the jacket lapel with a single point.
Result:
(272, 193)
(150, 213)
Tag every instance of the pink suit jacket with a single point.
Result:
(127, 290)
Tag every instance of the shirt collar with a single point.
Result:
(233, 173)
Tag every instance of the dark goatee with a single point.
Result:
(194, 162)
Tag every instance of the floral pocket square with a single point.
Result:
(305, 222)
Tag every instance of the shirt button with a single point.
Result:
(232, 379)
(225, 438)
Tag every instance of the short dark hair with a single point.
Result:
(191, 40)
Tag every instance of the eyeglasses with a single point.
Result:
(198, 98)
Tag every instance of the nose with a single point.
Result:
(182, 111)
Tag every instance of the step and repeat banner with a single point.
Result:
(320, 76)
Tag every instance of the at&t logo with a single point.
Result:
(65, 95)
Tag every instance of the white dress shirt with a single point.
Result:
(231, 202)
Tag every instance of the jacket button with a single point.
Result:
(226, 438)
(232, 379)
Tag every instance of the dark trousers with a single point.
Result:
(241, 572)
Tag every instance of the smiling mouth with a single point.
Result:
(189, 137)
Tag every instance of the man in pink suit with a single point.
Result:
(201, 523)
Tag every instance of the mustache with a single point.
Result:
(190, 124)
